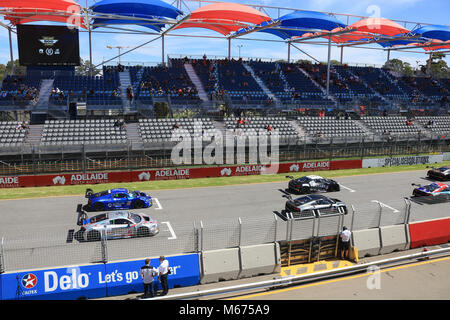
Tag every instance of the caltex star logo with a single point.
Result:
(29, 281)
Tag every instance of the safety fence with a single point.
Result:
(28, 159)
(51, 246)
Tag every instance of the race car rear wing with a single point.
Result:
(82, 216)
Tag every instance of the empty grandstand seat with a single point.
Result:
(102, 131)
(162, 130)
(330, 127)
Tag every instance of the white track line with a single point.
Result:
(347, 188)
(158, 203)
(174, 236)
(386, 206)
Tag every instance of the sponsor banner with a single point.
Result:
(17, 181)
(124, 277)
(172, 173)
(69, 283)
(402, 161)
(94, 281)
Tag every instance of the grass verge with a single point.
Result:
(79, 190)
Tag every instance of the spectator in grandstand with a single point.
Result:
(175, 126)
(119, 123)
(130, 94)
(21, 126)
(345, 243)
(148, 273)
(269, 129)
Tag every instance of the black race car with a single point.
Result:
(313, 203)
(441, 174)
(312, 183)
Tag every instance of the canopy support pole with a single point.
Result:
(388, 58)
(88, 25)
(90, 52)
(328, 66)
(342, 55)
(11, 52)
(289, 53)
(162, 50)
(229, 48)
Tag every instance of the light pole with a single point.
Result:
(239, 47)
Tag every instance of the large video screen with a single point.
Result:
(48, 45)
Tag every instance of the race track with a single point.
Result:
(40, 232)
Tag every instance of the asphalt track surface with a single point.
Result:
(40, 232)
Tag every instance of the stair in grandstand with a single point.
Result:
(196, 81)
(262, 85)
(301, 133)
(125, 82)
(34, 134)
(44, 93)
(333, 98)
(365, 128)
(133, 136)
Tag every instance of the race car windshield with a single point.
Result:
(432, 187)
(101, 194)
(135, 218)
(304, 179)
(98, 218)
(443, 169)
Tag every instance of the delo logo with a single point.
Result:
(225, 171)
(29, 281)
(75, 280)
(59, 180)
(144, 176)
(294, 167)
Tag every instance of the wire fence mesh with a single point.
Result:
(52, 247)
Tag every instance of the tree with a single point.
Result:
(397, 65)
(83, 68)
(162, 110)
(436, 65)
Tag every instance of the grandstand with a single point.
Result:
(73, 109)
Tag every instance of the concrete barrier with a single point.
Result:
(367, 242)
(429, 233)
(393, 238)
(260, 259)
(219, 265)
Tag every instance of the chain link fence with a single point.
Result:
(55, 248)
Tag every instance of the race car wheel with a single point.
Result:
(139, 204)
(143, 232)
(99, 206)
(304, 190)
(93, 235)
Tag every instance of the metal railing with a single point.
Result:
(299, 279)
(53, 247)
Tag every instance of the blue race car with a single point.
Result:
(119, 199)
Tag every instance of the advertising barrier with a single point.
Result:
(428, 233)
(402, 161)
(94, 281)
(172, 173)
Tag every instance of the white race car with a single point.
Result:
(117, 225)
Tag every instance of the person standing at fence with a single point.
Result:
(147, 274)
(163, 273)
(345, 243)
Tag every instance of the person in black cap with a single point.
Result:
(345, 243)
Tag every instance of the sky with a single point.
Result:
(416, 11)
